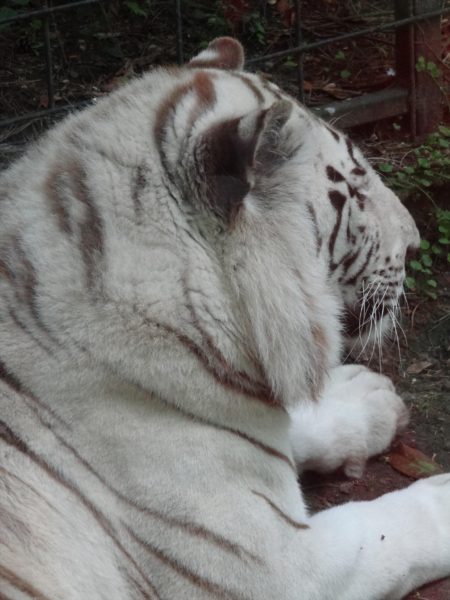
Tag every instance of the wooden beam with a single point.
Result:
(367, 108)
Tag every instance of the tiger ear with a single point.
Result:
(222, 53)
(237, 152)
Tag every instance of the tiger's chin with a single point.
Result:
(366, 329)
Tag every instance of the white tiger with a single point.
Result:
(174, 266)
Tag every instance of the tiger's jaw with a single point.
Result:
(369, 322)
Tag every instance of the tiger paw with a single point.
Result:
(357, 417)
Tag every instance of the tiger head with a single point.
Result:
(224, 224)
(364, 233)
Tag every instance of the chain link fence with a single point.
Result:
(414, 27)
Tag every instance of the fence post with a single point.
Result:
(427, 44)
(405, 58)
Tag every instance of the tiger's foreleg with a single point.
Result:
(381, 549)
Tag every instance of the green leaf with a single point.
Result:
(444, 130)
(424, 244)
(339, 55)
(290, 64)
(410, 282)
(435, 249)
(444, 143)
(448, 257)
(136, 9)
(345, 74)
(415, 265)
(421, 64)
(426, 260)
(444, 241)
(423, 162)
(410, 170)
(386, 167)
(432, 283)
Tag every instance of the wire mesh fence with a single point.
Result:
(414, 27)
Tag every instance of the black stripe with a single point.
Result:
(21, 325)
(21, 584)
(207, 585)
(337, 200)
(15, 384)
(354, 279)
(280, 513)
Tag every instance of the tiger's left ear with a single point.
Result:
(222, 53)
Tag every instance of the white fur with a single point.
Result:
(130, 466)
(358, 416)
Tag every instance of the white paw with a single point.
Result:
(358, 416)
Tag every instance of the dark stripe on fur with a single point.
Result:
(203, 87)
(20, 584)
(351, 151)
(91, 228)
(359, 171)
(312, 212)
(12, 439)
(269, 450)
(334, 175)
(354, 279)
(14, 383)
(138, 185)
(249, 83)
(25, 285)
(337, 200)
(187, 526)
(54, 189)
(225, 379)
(182, 570)
(286, 518)
(333, 133)
(32, 489)
(238, 380)
(21, 325)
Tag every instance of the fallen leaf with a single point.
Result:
(412, 462)
(418, 366)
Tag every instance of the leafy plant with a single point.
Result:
(424, 166)
(428, 66)
(138, 9)
(418, 171)
(421, 277)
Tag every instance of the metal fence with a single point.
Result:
(417, 34)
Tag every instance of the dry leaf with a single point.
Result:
(418, 366)
(412, 463)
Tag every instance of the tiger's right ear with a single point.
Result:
(235, 154)
(222, 53)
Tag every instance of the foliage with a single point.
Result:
(139, 9)
(419, 170)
